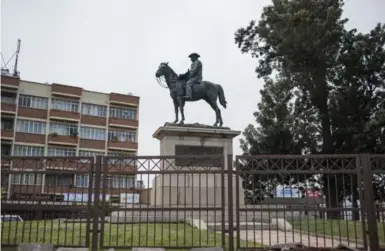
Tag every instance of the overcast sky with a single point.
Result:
(117, 45)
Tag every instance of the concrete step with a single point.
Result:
(165, 218)
(242, 226)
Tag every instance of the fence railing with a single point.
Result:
(194, 201)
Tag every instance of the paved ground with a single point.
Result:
(272, 237)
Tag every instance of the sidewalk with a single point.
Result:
(273, 237)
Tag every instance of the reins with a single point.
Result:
(161, 81)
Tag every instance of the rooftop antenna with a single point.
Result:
(4, 69)
(15, 72)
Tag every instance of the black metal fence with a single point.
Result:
(194, 201)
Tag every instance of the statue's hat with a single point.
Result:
(194, 55)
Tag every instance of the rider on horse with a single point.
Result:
(194, 74)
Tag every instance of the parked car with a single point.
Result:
(9, 217)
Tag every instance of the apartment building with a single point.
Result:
(39, 119)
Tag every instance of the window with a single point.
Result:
(89, 154)
(123, 113)
(63, 129)
(33, 102)
(92, 133)
(114, 181)
(26, 179)
(6, 150)
(21, 150)
(30, 126)
(94, 110)
(83, 180)
(8, 98)
(7, 124)
(122, 136)
(65, 105)
(62, 152)
(85, 153)
(58, 180)
(121, 181)
(123, 158)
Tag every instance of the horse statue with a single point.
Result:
(205, 90)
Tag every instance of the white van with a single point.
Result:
(9, 217)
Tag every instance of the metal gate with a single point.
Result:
(184, 189)
(39, 206)
(195, 201)
(311, 199)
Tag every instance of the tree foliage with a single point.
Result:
(324, 86)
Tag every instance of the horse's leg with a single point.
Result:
(219, 114)
(214, 105)
(181, 103)
(176, 110)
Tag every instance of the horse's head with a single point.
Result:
(163, 70)
(167, 74)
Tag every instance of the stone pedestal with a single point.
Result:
(195, 189)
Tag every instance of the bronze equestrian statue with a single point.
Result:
(180, 86)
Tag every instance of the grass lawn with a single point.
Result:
(139, 235)
(344, 228)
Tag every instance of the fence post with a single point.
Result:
(96, 204)
(230, 201)
(237, 203)
(369, 202)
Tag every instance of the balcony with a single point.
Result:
(62, 184)
(25, 163)
(63, 134)
(10, 81)
(122, 140)
(65, 90)
(30, 138)
(70, 163)
(126, 123)
(7, 128)
(121, 99)
(64, 109)
(93, 120)
(24, 189)
(126, 145)
(59, 180)
(64, 115)
(126, 117)
(6, 150)
(7, 134)
(32, 106)
(92, 144)
(32, 113)
(57, 139)
(8, 102)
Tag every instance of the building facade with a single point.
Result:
(64, 121)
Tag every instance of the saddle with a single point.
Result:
(182, 77)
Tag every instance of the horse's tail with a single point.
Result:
(221, 95)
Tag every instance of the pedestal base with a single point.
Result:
(201, 190)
